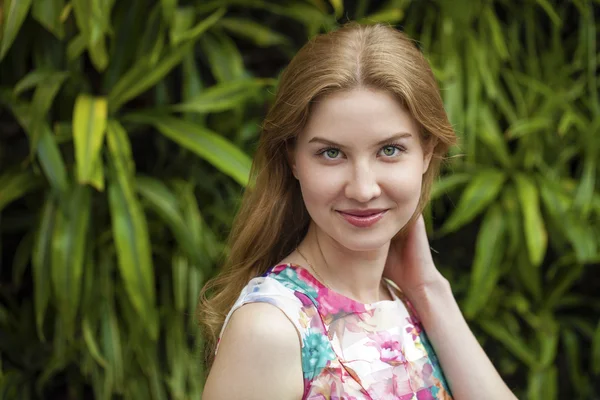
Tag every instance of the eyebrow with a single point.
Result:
(396, 136)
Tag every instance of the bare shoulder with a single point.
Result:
(259, 357)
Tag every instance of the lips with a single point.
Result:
(362, 218)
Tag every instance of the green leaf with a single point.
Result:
(112, 347)
(51, 160)
(47, 13)
(536, 237)
(554, 17)
(168, 9)
(162, 200)
(259, 34)
(490, 135)
(338, 7)
(489, 251)
(497, 36)
(512, 343)
(389, 16)
(89, 128)
(14, 12)
(143, 75)
(90, 341)
(542, 384)
(93, 20)
(571, 345)
(528, 126)
(130, 230)
(180, 269)
(68, 250)
(595, 357)
(224, 57)
(585, 190)
(41, 263)
(38, 77)
(482, 190)
(448, 183)
(214, 148)
(14, 185)
(223, 96)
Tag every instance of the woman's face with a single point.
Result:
(360, 165)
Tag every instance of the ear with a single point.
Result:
(291, 157)
(428, 153)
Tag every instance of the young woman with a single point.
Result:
(330, 290)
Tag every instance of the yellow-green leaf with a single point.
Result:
(51, 160)
(595, 359)
(130, 231)
(162, 200)
(224, 57)
(47, 13)
(259, 34)
(221, 97)
(16, 184)
(390, 16)
(448, 183)
(338, 7)
(482, 190)
(180, 269)
(536, 238)
(214, 148)
(512, 343)
(14, 12)
(486, 263)
(111, 346)
(41, 263)
(68, 251)
(90, 341)
(89, 128)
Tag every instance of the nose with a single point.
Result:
(362, 185)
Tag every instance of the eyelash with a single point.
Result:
(398, 146)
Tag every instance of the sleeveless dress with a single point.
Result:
(351, 350)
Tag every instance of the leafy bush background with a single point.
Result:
(127, 130)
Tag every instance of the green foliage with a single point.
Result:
(127, 133)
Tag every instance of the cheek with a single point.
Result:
(404, 185)
(319, 185)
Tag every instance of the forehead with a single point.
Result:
(360, 115)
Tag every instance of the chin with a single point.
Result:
(363, 241)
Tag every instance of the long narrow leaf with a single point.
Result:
(536, 237)
(89, 128)
(47, 13)
(144, 74)
(221, 97)
(482, 190)
(14, 12)
(41, 263)
(68, 251)
(13, 185)
(130, 231)
(208, 145)
(486, 264)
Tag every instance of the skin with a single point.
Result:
(260, 349)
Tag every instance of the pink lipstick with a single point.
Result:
(362, 219)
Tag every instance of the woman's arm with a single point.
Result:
(470, 373)
(259, 357)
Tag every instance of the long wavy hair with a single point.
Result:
(272, 219)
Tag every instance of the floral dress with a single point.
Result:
(351, 350)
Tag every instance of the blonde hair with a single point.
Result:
(272, 219)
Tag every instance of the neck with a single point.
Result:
(355, 274)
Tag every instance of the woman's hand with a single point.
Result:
(409, 263)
